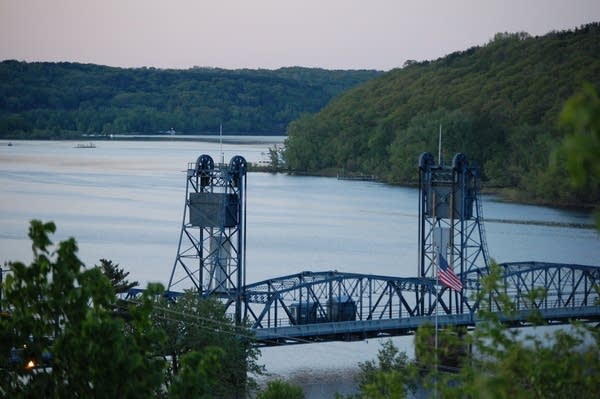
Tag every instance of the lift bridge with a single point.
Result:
(331, 305)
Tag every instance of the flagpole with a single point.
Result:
(437, 299)
(436, 271)
(221, 144)
(440, 146)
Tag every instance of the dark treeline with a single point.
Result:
(56, 100)
(498, 103)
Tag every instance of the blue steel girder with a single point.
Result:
(540, 285)
(388, 305)
(375, 297)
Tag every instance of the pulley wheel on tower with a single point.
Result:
(237, 167)
(204, 166)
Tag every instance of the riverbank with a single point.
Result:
(230, 138)
(515, 196)
(511, 195)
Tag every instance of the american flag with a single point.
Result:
(447, 276)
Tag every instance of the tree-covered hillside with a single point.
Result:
(498, 103)
(49, 99)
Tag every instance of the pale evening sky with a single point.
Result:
(332, 34)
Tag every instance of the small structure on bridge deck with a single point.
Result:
(210, 254)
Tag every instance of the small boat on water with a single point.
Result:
(89, 145)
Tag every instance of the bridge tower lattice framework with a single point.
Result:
(450, 222)
(211, 251)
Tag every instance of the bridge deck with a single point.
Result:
(356, 330)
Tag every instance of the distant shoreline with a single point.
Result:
(209, 138)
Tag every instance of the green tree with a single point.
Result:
(281, 390)
(195, 324)
(304, 150)
(517, 363)
(117, 276)
(276, 157)
(581, 147)
(198, 375)
(504, 363)
(60, 324)
(391, 376)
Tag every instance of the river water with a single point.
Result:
(123, 201)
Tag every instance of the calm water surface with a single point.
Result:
(123, 200)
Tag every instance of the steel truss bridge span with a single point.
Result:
(321, 306)
(331, 305)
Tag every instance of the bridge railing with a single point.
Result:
(543, 285)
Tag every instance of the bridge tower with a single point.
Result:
(211, 251)
(450, 219)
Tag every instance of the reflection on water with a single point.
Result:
(123, 200)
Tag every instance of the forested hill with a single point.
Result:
(498, 103)
(54, 99)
